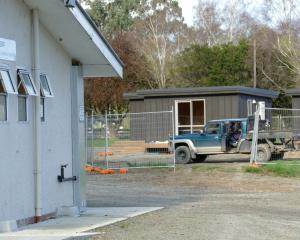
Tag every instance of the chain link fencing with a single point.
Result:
(130, 140)
(276, 135)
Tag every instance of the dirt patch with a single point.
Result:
(203, 201)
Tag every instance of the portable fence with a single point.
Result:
(131, 140)
(276, 135)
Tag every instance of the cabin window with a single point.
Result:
(22, 108)
(46, 92)
(190, 116)
(6, 87)
(250, 107)
(25, 87)
(25, 83)
(42, 109)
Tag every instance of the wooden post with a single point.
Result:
(254, 63)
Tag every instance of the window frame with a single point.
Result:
(26, 108)
(43, 94)
(42, 102)
(22, 81)
(6, 69)
(6, 107)
(190, 126)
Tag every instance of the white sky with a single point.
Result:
(189, 5)
(187, 10)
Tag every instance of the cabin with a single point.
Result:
(193, 107)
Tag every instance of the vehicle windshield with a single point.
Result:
(212, 128)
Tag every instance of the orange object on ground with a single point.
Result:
(88, 168)
(103, 154)
(254, 165)
(97, 169)
(123, 171)
(107, 171)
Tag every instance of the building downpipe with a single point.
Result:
(37, 120)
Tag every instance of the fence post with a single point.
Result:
(93, 150)
(106, 139)
(173, 137)
(86, 138)
(255, 136)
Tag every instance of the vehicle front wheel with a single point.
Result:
(263, 153)
(182, 155)
(199, 158)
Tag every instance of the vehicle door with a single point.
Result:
(210, 140)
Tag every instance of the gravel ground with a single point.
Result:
(212, 200)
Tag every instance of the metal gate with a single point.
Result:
(130, 140)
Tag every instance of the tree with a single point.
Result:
(114, 16)
(107, 93)
(271, 73)
(213, 66)
(219, 23)
(283, 15)
(161, 33)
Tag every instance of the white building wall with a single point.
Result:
(16, 139)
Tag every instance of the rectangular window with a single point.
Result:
(3, 108)
(22, 108)
(190, 116)
(250, 107)
(6, 87)
(42, 109)
(6, 81)
(25, 83)
(46, 90)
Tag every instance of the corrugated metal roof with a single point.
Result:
(165, 92)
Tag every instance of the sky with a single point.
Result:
(189, 5)
(187, 10)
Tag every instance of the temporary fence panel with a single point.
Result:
(276, 135)
(131, 140)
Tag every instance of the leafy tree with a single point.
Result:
(107, 93)
(114, 16)
(213, 66)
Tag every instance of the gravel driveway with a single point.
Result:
(213, 200)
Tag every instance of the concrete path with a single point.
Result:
(76, 227)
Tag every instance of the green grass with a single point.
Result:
(99, 142)
(279, 168)
(212, 168)
(149, 164)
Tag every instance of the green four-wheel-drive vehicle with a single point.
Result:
(229, 136)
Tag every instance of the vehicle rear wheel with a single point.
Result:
(200, 158)
(263, 153)
(182, 155)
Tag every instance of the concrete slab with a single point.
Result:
(76, 227)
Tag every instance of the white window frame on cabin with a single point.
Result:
(26, 108)
(190, 126)
(29, 88)
(46, 92)
(8, 88)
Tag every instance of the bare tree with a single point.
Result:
(207, 21)
(160, 29)
(283, 15)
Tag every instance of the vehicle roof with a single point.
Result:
(229, 120)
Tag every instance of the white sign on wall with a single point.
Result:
(8, 49)
(81, 113)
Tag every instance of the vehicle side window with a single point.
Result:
(212, 128)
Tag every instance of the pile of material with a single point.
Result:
(98, 170)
